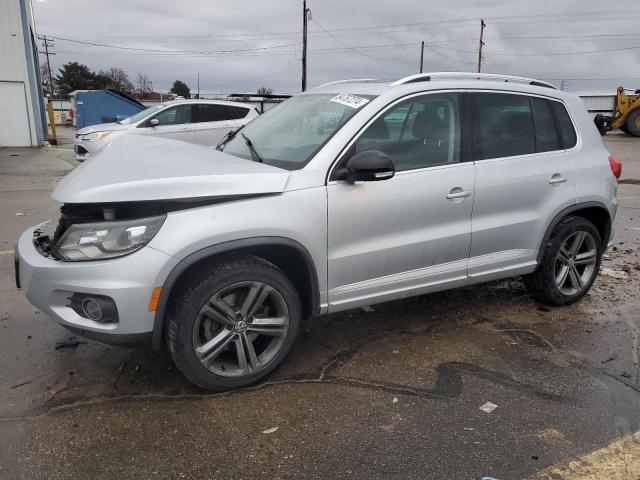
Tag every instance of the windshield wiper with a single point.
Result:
(255, 156)
(228, 137)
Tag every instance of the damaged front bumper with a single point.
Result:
(128, 281)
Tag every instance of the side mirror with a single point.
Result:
(368, 166)
(154, 122)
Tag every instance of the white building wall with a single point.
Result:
(21, 119)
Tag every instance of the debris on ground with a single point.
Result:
(4, 317)
(58, 387)
(270, 430)
(625, 374)
(395, 400)
(488, 407)
(610, 272)
(20, 384)
(70, 342)
(367, 308)
(19, 214)
(609, 359)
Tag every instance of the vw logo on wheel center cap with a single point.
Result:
(240, 326)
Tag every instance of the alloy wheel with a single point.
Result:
(241, 329)
(576, 263)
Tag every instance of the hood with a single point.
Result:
(102, 127)
(138, 168)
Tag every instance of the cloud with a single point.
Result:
(261, 28)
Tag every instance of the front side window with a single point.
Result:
(175, 115)
(288, 135)
(503, 125)
(416, 133)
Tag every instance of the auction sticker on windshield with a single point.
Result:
(349, 100)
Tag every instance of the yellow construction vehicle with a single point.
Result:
(626, 114)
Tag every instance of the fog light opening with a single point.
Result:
(97, 308)
(92, 309)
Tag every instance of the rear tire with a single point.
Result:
(233, 324)
(632, 123)
(569, 265)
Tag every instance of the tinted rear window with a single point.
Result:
(565, 126)
(546, 133)
(503, 125)
(237, 112)
(210, 112)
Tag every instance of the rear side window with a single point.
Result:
(210, 112)
(235, 113)
(503, 125)
(546, 133)
(565, 126)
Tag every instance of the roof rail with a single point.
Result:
(351, 80)
(426, 77)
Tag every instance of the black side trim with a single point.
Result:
(567, 211)
(234, 245)
(119, 340)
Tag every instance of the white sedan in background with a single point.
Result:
(204, 122)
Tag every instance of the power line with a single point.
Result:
(121, 47)
(354, 49)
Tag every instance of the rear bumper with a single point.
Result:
(128, 281)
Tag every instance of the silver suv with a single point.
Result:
(354, 193)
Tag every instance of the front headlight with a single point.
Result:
(99, 241)
(95, 136)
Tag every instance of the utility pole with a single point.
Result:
(421, 56)
(198, 84)
(46, 43)
(482, 25)
(305, 17)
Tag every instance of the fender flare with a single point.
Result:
(567, 211)
(231, 246)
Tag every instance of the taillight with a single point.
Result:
(616, 166)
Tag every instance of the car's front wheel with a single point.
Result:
(231, 326)
(570, 263)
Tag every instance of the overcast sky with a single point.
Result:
(347, 39)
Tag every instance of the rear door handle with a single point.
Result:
(458, 193)
(556, 179)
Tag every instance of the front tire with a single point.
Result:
(569, 265)
(233, 324)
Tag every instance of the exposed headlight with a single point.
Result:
(98, 241)
(95, 136)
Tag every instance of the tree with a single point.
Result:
(44, 76)
(264, 91)
(114, 78)
(74, 76)
(181, 89)
(144, 84)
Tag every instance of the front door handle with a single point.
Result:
(458, 193)
(557, 179)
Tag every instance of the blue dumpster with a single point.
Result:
(103, 106)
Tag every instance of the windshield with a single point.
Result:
(141, 115)
(288, 135)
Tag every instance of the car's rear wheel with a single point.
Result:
(234, 324)
(569, 264)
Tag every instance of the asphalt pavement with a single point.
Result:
(393, 392)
